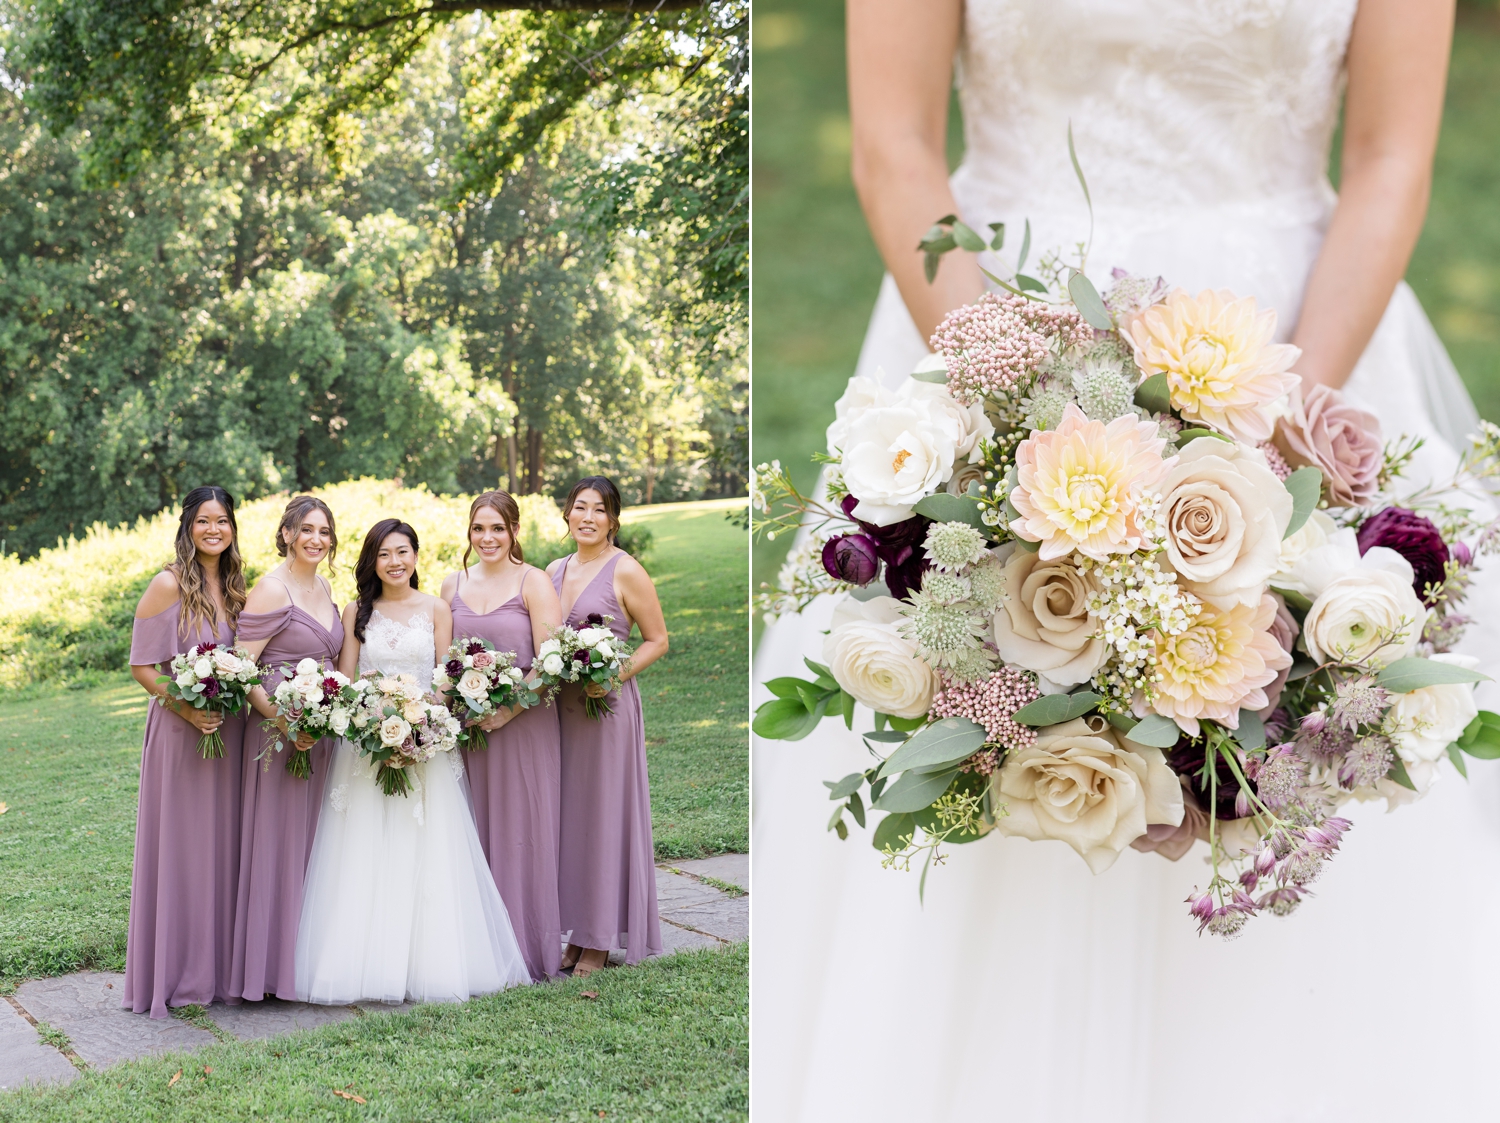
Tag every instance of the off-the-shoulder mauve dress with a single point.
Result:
(180, 941)
(606, 860)
(515, 787)
(279, 815)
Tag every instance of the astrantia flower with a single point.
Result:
(1079, 486)
(987, 583)
(940, 629)
(1045, 404)
(1103, 390)
(951, 546)
(945, 588)
(1358, 701)
(1220, 665)
(1221, 365)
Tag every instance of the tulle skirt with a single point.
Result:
(399, 901)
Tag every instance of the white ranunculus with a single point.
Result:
(896, 455)
(872, 660)
(1225, 514)
(1369, 614)
(468, 660)
(312, 695)
(1423, 723)
(1078, 784)
(393, 731)
(473, 684)
(308, 667)
(552, 663)
(548, 647)
(203, 668)
(226, 662)
(338, 720)
(186, 679)
(604, 650)
(1318, 552)
(859, 395)
(968, 423)
(1043, 622)
(590, 636)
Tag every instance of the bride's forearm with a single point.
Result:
(1369, 243)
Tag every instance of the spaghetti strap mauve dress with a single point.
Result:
(279, 815)
(187, 843)
(606, 862)
(515, 786)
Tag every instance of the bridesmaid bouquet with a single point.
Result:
(476, 680)
(314, 701)
(215, 677)
(396, 726)
(590, 654)
(1108, 574)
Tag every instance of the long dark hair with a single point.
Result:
(296, 510)
(504, 505)
(192, 581)
(366, 581)
(608, 492)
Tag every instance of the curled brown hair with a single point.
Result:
(291, 518)
(607, 492)
(192, 582)
(503, 504)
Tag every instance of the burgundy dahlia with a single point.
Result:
(211, 688)
(474, 648)
(454, 667)
(594, 620)
(851, 558)
(1414, 538)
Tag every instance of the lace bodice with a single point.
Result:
(394, 648)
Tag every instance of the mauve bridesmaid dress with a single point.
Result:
(187, 843)
(515, 786)
(279, 816)
(606, 862)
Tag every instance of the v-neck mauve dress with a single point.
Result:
(606, 863)
(279, 815)
(187, 844)
(515, 787)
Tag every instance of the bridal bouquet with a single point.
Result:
(1108, 575)
(476, 680)
(396, 726)
(215, 677)
(313, 700)
(590, 654)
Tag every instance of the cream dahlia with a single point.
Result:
(1221, 365)
(1078, 487)
(1220, 665)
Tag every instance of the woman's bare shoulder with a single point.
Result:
(159, 596)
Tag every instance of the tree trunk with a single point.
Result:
(650, 465)
(534, 463)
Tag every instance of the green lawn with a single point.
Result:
(667, 1040)
(70, 759)
(817, 272)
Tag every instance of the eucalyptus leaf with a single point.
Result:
(857, 808)
(945, 508)
(1123, 722)
(1301, 602)
(836, 820)
(846, 704)
(840, 789)
(1458, 761)
(930, 266)
(1025, 247)
(1252, 731)
(1305, 485)
(998, 241)
(1193, 434)
(785, 719)
(941, 745)
(1398, 773)
(1088, 302)
(887, 736)
(1154, 395)
(893, 830)
(1414, 672)
(1054, 709)
(967, 239)
(1078, 170)
(1155, 731)
(1029, 284)
(937, 377)
(1300, 670)
(906, 724)
(914, 790)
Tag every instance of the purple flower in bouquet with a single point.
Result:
(899, 546)
(581, 656)
(1462, 554)
(594, 620)
(211, 688)
(454, 667)
(1412, 536)
(851, 558)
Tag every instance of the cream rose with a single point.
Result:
(393, 731)
(1225, 514)
(1318, 552)
(1079, 785)
(1423, 723)
(338, 721)
(872, 660)
(186, 679)
(203, 668)
(473, 684)
(226, 662)
(1368, 615)
(1043, 622)
(413, 711)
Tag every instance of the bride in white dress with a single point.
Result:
(1028, 989)
(399, 903)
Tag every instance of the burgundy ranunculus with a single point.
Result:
(594, 619)
(211, 688)
(851, 558)
(581, 656)
(899, 546)
(454, 667)
(1414, 538)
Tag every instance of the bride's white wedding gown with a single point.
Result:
(399, 902)
(1028, 989)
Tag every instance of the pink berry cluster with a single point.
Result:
(990, 702)
(1275, 461)
(997, 342)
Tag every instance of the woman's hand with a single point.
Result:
(498, 719)
(304, 741)
(596, 690)
(204, 721)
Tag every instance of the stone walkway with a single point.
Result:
(51, 1029)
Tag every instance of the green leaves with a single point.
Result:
(1481, 738)
(1155, 731)
(799, 705)
(1154, 395)
(1305, 486)
(937, 377)
(914, 790)
(1252, 731)
(1088, 302)
(894, 832)
(945, 508)
(1193, 434)
(940, 745)
(1413, 673)
(1053, 709)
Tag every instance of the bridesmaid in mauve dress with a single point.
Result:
(187, 834)
(606, 863)
(290, 616)
(514, 782)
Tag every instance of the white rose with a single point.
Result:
(393, 731)
(590, 636)
(1368, 615)
(1424, 722)
(186, 679)
(203, 668)
(338, 720)
(473, 684)
(1225, 514)
(361, 719)
(312, 695)
(552, 664)
(896, 455)
(1318, 552)
(604, 650)
(968, 424)
(1043, 621)
(548, 647)
(872, 660)
(308, 667)
(1079, 785)
(859, 395)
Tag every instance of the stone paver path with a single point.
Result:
(85, 1007)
